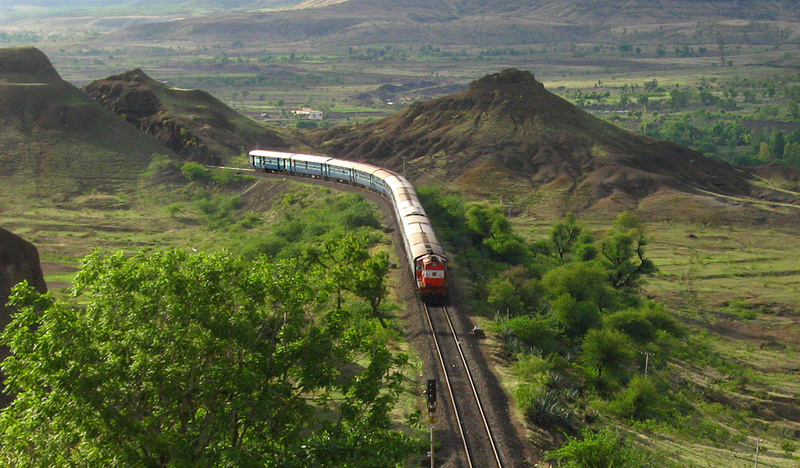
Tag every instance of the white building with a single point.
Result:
(307, 113)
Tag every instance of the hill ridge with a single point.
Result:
(58, 142)
(193, 123)
(508, 128)
(26, 64)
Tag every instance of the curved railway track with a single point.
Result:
(472, 404)
(479, 447)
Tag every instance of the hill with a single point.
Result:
(473, 23)
(507, 135)
(192, 123)
(58, 142)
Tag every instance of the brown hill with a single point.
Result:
(55, 139)
(192, 123)
(507, 135)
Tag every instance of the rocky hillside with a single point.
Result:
(19, 261)
(507, 133)
(192, 123)
(56, 140)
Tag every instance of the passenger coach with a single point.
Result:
(425, 255)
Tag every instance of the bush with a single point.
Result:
(357, 212)
(642, 400)
(193, 171)
(544, 407)
(608, 351)
(532, 332)
(633, 323)
(576, 317)
(643, 324)
(602, 449)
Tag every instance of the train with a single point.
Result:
(426, 256)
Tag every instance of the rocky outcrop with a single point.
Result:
(19, 261)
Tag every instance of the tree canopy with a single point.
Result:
(181, 359)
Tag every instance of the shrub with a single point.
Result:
(633, 323)
(609, 351)
(193, 171)
(602, 449)
(544, 407)
(642, 400)
(643, 324)
(532, 332)
(576, 317)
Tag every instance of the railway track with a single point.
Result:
(460, 394)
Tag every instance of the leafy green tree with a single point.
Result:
(643, 399)
(576, 317)
(503, 296)
(622, 254)
(491, 228)
(193, 360)
(792, 154)
(349, 266)
(565, 235)
(643, 323)
(583, 282)
(778, 145)
(369, 283)
(532, 331)
(340, 258)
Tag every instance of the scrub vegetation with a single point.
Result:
(612, 376)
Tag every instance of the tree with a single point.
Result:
(369, 283)
(491, 228)
(622, 253)
(348, 266)
(564, 235)
(192, 360)
(569, 238)
(583, 282)
(778, 145)
(607, 349)
(174, 209)
(503, 296)
(193, 171)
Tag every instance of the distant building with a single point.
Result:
(309, 114)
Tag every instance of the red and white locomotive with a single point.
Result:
(425, 255)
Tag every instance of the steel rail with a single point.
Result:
(490, 436)
(495, 452)
(449, 387)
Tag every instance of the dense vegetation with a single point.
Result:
(275, 355)
(202, 359)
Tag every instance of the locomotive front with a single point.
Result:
(431, 273)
